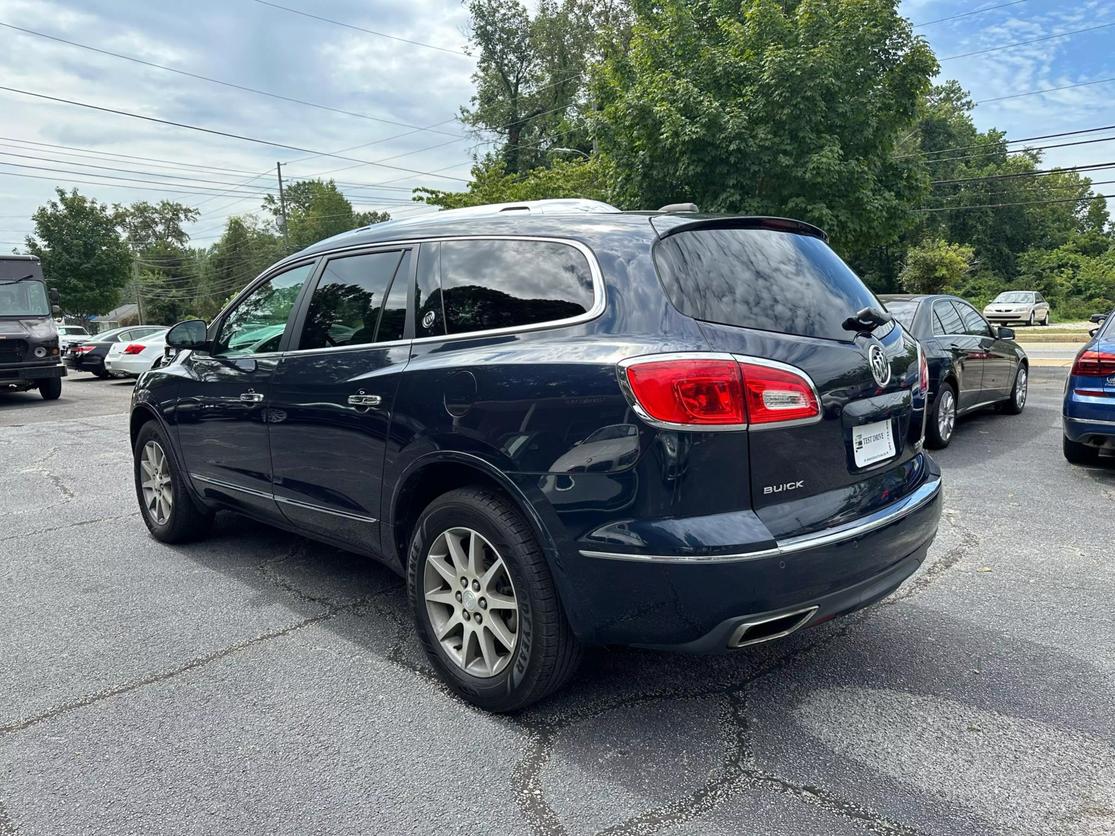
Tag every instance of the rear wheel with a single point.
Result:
(942, 419)
(1078, 453)
(101, 374)
(485, 606)
(50, 388)
(164, 502)
(1017, 400)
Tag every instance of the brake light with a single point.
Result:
(719, 391)
(1094, 364)
(81, 349)
(134, 348)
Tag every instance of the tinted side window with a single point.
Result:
(257, 323)
(949, 319)
(762, 279)
(348, 300)
(501, 284)
(973, 323)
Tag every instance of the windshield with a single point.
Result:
(1015, 297)
(23, 298)
(903, 311)
(70, 330)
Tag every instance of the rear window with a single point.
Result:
(761, 279)
(903, 311)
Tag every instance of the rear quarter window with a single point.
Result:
(761, 279)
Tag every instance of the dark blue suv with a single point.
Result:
(565, 425)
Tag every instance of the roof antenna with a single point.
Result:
(674, 208)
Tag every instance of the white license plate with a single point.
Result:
(872, 443)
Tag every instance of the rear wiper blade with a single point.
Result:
(867, 319)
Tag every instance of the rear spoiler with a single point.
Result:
(669, 225)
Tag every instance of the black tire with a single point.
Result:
(101, 374)
(1078, 453)
(1045, 322)
(50, 388)
(935, 439)
(185, 520)
(546, 652)
(1031, 320)
(1017, 401)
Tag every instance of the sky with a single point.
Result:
(391, 90)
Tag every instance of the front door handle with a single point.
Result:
(251, 397)
(364, 400)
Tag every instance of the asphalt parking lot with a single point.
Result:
(260, 683)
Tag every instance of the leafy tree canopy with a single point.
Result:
(493, 184)
(935, 266)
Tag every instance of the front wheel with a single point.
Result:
(164, 502)
(1077, 453)
(485, 605)
(1031, 320)
(1045, 322)
(942, 419)
(1017, 400)
(51, 388)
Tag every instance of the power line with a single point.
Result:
(1005, 141)
(969, 14)
(69, 181)
(361, 28)
(201, 189)
(211, 80)
(1046, 90)
(1035, 173)
(1024, 150)
(1030, 41)
(216, 132)
(1020, 203)
(13, 142)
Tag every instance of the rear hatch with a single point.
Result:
(775, 291)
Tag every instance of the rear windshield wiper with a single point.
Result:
(868, 319)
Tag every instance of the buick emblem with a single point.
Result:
(880, 367)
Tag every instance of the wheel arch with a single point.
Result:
(437, 473)
(143, 414)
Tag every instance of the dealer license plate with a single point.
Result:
(872, 443)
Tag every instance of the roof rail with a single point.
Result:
(554, 206)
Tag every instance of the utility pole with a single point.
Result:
(139, 296)
(282, 202)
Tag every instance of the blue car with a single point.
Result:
(1089, 409)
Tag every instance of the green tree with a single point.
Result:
(317, 209)
(785, 107)
(82, 252)
(149, 224)
(492, 184)
(935, 266)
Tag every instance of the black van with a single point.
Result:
(29, 357)
(565, 425)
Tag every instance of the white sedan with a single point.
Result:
(131, 359)
(71, 335)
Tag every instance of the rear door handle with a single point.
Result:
(364, 400)
(251, 397)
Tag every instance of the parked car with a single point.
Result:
(29, 353)
(1027, 306)
(89, 356)
(132, 358)
(972, 364)
(1089, 406)
(473, 430)
(71, 335)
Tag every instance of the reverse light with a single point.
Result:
(719, 390)
(134, 348)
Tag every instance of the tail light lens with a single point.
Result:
(134, 348)
(1094, 364)
(719, 391)
(82, 349)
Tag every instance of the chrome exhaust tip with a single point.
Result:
(767, 629)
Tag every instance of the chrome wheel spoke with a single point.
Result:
(470, 601)
(156, 487)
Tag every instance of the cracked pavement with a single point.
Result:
(257, 682)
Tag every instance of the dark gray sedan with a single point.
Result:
(972, 364)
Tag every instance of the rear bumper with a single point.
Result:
(11, 374)
(127, 366)
(84, 363)
(1085, 430)
(696, 603)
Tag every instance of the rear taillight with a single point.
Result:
(134, 348)
(81, 349)
(1094, 364)
(719, 390)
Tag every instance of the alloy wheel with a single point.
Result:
(158, 497)
(1021, 385)
(471, 602)
(946, 415)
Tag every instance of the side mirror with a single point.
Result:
(1093, 332)
(1097, 318)
(1006, 333)
(191, 334)
(56, 310)
(55, 296)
